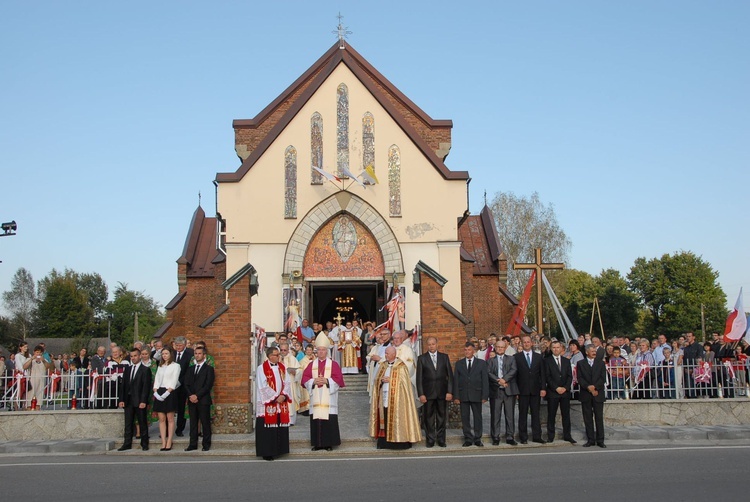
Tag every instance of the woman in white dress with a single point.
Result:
(165, 401)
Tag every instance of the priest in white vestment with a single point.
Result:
(322, 378)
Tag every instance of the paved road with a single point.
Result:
(619, 473)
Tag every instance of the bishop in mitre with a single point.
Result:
(393, 414)
(322, 378)
(349, 345)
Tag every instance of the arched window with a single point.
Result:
(290, 182)
(316, 148)
(394, 180)
(368, 141)
(342, 128)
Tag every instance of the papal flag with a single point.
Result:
(368, 175)
(346, 172)
(736, 322)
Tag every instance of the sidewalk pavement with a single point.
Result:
(353, 424)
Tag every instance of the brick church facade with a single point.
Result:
(284, 240)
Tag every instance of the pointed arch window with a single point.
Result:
(368, 141)
(342, 128)
(316, 148)
(394, 180)
(290, 182)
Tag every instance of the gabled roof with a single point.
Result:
(200, 250)
(479, 240)
(305, 87)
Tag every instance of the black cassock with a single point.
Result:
(325, 433)
(270, 441)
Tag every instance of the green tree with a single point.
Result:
(63, 311)
(618, 305)
(123, 309)
(21, 302)
(94, 290)
(673, 288)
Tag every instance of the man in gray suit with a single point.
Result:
(503, 391)
(471, 389)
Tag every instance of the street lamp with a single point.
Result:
(8, 228)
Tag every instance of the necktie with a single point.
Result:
(591, 363)
(468, 365)
(434, 360)
(528, 359)
(197, 368)
(132, 372)
(179, 356)
(499, 366)
(559, 366)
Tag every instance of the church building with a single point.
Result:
(381, 214)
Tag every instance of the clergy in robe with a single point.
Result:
(322, 378)
(349, 345)
(273, 401)
(303, 406)
(393, 413)
(376, 354)
(292, 367)
(405, 353)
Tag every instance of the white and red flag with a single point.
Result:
(330, 177)
(736, 322)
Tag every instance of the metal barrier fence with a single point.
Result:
(728, 379)
(59, 391)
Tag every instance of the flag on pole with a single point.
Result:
(514, 328)
(346, 172)
(330, 177)
(368, 175)
(736, 322)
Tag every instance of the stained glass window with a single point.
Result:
(290, 182)
(394, 180)
(342, 128)
(316, 148)
(368, 141)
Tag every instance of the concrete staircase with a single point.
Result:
(355, 383)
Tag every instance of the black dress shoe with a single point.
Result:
(430, 444)
(602, 445)
(441, 445)
(467, 443)
(540, 441)
(205, 448)
(124, 448)
(328, 448)
(179, 433)
(523, 441)
(550, 439)
(191, 448)
(511, 442)
(144, 447)
(571, 440)
(495, 442)
(478, 443)
(268, 458)
(588, 444)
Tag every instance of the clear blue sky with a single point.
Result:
(632, 118)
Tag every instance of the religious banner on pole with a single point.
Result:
(292, 308)
(519, 313)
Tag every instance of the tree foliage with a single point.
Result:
(21, 302)
(524, 224)
(123, 308)
(618, 306)
(63, 311)
(673, 288)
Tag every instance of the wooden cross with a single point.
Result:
(539, 267)
(338, 319)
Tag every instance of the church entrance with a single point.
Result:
(346, 301)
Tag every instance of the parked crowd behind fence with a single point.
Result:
(637, 369)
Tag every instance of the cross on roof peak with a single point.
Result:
(342, 31)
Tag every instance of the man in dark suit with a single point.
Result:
(136, 389)
(502, 371)
(530, 382)
(198, 384)
(471, 389)
(558, 374)
(592, 373)
(434, 386)
(183, 356)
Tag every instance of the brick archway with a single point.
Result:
(343, 202)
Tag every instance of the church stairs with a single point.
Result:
(355, 383)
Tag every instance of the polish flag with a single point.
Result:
(736, 322)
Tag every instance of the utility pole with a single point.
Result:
(135, 328)
(703, 321)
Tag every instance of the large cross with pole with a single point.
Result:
(539, 266)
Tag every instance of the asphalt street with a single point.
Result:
(617, 473)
